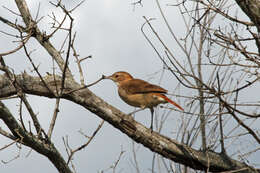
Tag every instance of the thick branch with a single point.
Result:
(42, 146)
(160, 144)
(40, 37)
(252, 10)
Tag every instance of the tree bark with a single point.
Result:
(252, 9)
(44, 147)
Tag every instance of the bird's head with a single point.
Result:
(119, 77)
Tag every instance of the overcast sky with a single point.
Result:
(109, 30)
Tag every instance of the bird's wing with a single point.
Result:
(138, 86)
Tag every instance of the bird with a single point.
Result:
(139, 93)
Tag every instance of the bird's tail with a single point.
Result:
(170, 101)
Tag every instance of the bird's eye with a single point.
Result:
(116, 76)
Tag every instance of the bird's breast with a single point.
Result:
(135, 100)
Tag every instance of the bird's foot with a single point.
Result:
(151, 129)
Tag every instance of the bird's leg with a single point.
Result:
(152, 111)
(136, 111)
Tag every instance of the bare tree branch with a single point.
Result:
(47, 149)
(168, 148)
(30, 23)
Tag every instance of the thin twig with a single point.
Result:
(8, 145)
(72, 152)
(54, 117)
(86, 86)
(20, 113)
(68, 51)
(220, 121)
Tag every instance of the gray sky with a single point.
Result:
(109, 30)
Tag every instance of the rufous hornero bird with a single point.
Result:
(139, 93)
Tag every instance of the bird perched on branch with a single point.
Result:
(139, 93)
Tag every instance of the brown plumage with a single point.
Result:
(139, 93)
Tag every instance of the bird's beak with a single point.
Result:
(107, 77)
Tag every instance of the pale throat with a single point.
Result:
(118, 83)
